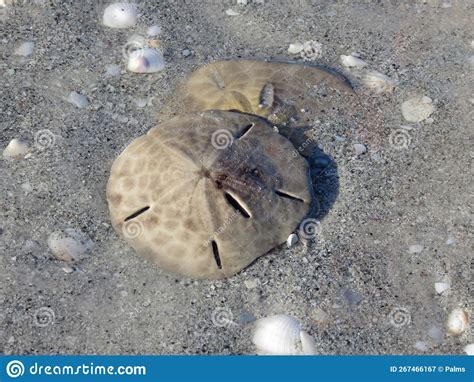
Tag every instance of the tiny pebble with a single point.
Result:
(242, 2)
(416, 248)
(435, 333)
(68, 270)
(292, 240)
(429, 121)
(252, 283)
(421, 346)
(25, 49)
(11, 72)
(77, 99)
(186, 52)
(441, 287)
(231, 12)
(140, 102)
(359, 148)
(451, 241)
(154, 30)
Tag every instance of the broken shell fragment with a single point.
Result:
(352, 61)
(16, 149)
(417, 109)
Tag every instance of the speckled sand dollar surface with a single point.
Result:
(393, 218)
(204, 194)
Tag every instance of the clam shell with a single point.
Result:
(120, 15)
(145, 60)
(277, 335)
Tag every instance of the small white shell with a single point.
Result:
(417, 109)
(415, 248)
(469, 349)
(16, 149)
(308, 344)
(78, 100)
(292, 240)
(421, 346)
(352, 61)
(295, 48)
(378, 82)
(277, 335)
(154, 30)
(231, 12)
(25, 49)
(120, 15)
(69, 245)
(359, 148)
(457, 322)
(441, 287)
(145, 60)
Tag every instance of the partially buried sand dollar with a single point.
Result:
(281, 92)
(205, 194)
(287, 94)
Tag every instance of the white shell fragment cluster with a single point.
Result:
(145, 60)
(282, 335)
(120, 15)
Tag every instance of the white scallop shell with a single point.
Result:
(457, 322)
(277, 335)
(120, 15)
(145, 60)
